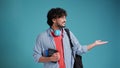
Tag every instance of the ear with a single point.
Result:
(54, 20)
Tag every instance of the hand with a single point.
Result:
(99, 42)
(55, 57)
(96, 43)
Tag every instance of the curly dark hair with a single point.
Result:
(55, 13)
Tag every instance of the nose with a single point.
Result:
(65, 19)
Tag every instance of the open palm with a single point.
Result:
(99, 42)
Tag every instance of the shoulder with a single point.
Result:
(68, 30)
(43, 34)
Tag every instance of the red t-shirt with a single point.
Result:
(59, 47)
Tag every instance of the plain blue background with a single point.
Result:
(22, 20)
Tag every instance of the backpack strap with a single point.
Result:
(68, 34)
(71, 45)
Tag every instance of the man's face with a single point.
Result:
(60, 22)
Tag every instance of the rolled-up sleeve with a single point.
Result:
(37, 49)
(82, 50)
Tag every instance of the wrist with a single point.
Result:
(49, 58)
(93, 44)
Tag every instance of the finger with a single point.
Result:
(55, 54)
(98, 40)
(105, 41)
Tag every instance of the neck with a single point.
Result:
(55, 28)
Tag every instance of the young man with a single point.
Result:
(56, 38)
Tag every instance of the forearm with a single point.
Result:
(54, 58)
(89, 47)
(44, 59)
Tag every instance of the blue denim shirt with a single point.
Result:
(45, 41)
